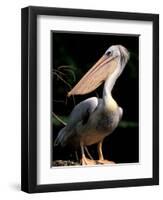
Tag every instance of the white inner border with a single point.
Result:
(143, 169)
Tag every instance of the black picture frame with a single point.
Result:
(29, 98)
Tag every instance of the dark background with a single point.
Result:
(72, 55)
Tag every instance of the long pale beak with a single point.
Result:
(100, 71)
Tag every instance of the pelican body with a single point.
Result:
(95, 118)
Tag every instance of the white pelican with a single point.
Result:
(93, 119)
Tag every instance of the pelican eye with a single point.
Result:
(108, 53)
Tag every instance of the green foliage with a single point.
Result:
(56, 122)
(128, 124)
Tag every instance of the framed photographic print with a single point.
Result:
(90, 99)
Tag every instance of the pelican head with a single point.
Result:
(120, 52)
(113, 60)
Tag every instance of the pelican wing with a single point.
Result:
(80, 113)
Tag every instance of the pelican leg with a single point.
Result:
(101, 157)
(84, 160)
(88, 153)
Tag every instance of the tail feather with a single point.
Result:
(60, 138)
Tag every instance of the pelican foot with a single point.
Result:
(105, 162)
(86, 161)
